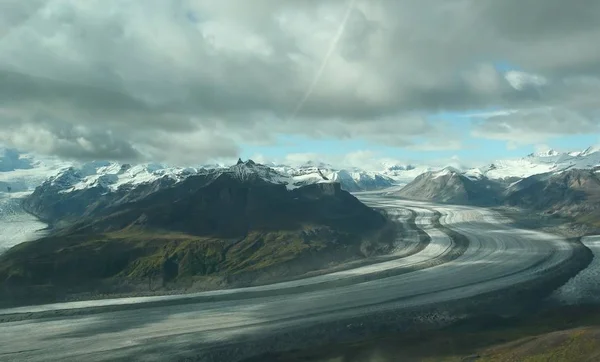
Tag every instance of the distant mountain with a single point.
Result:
(22, 173)
(28, 171)
(540, 163)
(571, 193)
(351, 180)
(452, 186)
(85, 187)
(547, 153)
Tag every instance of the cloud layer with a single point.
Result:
(193, 80)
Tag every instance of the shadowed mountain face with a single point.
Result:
(226, 207)
(573, 193)
(236, 227)
(450, 186)
(256, 194)
(52, 204)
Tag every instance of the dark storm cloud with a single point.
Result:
(235, 71)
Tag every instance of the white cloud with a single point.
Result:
(296, 159)
(521, 80)
(542, 148)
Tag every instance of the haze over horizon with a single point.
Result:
(346, 82)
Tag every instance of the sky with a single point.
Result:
(353, 82)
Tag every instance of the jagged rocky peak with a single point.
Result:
(66, 177)
(248, 162)
(546, 153)
(125, 167)
(401, 167)
(322, 176)
(319, 190)
(590, 150)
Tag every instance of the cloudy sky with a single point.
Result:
(190, 81)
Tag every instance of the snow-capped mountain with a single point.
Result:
(250, 170)
(547, 153)
(352, 179)
(402, 175)
(22, 173)
(549, 161)
(112, 176)
(451, 185)
(511, 170)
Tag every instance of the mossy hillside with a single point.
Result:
(203, 233)
(138, 254)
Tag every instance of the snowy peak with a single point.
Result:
(589, 151)
(539, 163)
(111, 176)
(399, 167)
(474, 174)
(249, 171)
(547, 153)
(446, 171)
(65, 178)
(451, 185)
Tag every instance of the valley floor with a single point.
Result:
(565, 334)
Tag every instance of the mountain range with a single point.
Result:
(24, 172)
(121, 228)
(568, 187)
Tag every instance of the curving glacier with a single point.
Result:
(17, 226)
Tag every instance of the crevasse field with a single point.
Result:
(16, 226)
(585, 286)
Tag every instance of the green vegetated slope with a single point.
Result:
(198, 235)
